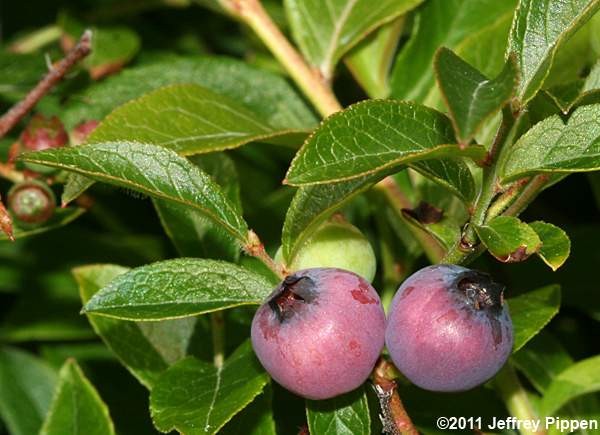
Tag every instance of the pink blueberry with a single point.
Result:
(449, 328)
(320, 332)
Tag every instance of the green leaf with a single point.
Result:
(195, 397)
(187, 119)
(470, 96)
(47, 311)
(446, 231)
(556, 245)
(541, 360)
(552, 146)
(535, 38)
(254, 419)
(312, 205)
(61, 217)
(141, 347)
(77, 409)
(325, 30)
(112, 47)
(178, 288)
(75, 186)
(26, 387)
(578, 93)
(192, 234)
(508, 239)
(531, 311)
(346, 414)
(19, 73)
(371, 136)
(446, 23)
(267, 95)
(149, 169)
(581, 378)
(370, 61)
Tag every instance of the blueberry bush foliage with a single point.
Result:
(447, 131)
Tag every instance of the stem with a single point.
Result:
(308, 79)
(19, 110)
(255, 248)
(7, 171)
(394, 418)
(217, 322)
(36, 39)
(515, 397)
(504, 200)
(397, 199)
(489, 189)
(534, 187)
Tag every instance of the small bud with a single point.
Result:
(80, 133)
(31, 202)
(42, 133)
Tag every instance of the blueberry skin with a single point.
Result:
(439, 335)
(320, 332)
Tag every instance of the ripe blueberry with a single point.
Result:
(448, 328)
(339, 244)
(320, 332)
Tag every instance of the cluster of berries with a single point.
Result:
(322, 330)
(32, 202)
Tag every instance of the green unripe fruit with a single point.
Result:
(336, 244)
(31, 202)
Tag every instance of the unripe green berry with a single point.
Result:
(31, 202)
(338, 244)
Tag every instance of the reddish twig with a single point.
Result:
(394, 418)
(23, 107)
(6, 222)
(255, 248)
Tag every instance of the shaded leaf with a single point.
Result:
(112, 47)
(534, 38)
(19, 73)
(75, 186)
(581, 378)
(531, 311)
(61, 217)
(77, 409)
(372, 136)
(555, 147)
(178, 288)
(556, 245)
(508, 239)
(312, 205)
(470, 96)
(140, 347)
(266, 94)
(345, 414)
(195, 397)
(194, 235)
(440, 23)
(325, 30)
(187, 119)
(541, 360)
(370, 61)
(149, 169)
(26, 387)
(254, 419)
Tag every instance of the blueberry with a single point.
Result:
(449, 328)
(338, 244)
(320, 332)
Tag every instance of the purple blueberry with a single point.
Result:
(448, 328)
(320, 332)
